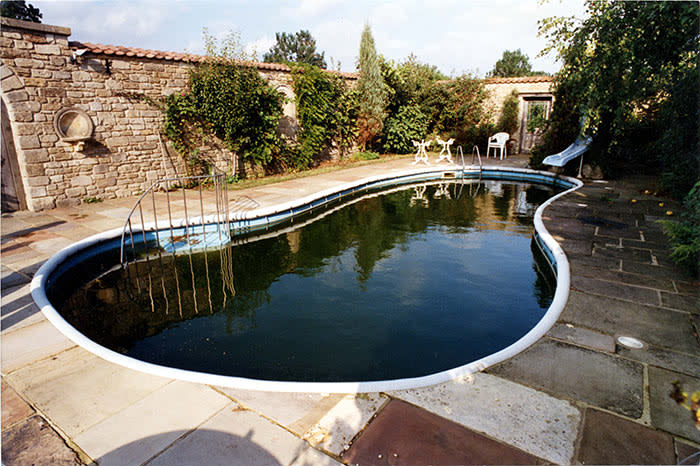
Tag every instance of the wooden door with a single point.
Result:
(535, 113)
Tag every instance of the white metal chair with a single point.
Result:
(445, 147)
(498, 141)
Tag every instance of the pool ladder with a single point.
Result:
(155, 244)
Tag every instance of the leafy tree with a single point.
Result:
(18, 9)
(295, 48)
(512, 63)
(371, 91)
(632, 68)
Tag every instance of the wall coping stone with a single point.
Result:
(39, 27)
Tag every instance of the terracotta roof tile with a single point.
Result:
(120, 51)
(520, 79)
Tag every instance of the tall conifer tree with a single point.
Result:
(371, 91)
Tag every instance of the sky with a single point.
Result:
(457, 36)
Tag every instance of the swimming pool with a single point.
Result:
(427, 282)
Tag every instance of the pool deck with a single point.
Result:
(575, 396)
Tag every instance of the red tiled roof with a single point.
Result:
(520, 79)
(120, 51)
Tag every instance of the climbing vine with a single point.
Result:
(230, 101)
(326, 112)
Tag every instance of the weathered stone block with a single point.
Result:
(106, 182)
(120, 65)
(41, 203)
(40, 73)
(5, 42)
(62, 75)
(37, 191)
(12, 35)
(53, 92)
(67, 202)
(75, 192)
(47, 49)
(28, 142)
(27, 106)
(21, 44)
(28, 63)
(11, 83)
(35, 82)
(35, 169)
(37, 181)
(95, 106)
(48, 138)
(81, 76)
(17, 96)
(57, 61)
(82, 180)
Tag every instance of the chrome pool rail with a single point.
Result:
(168, 194)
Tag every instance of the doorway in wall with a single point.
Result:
(535, 112)
(11, 189)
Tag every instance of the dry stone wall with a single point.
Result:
(126, 152)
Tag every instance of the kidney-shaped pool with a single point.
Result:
(401, 284)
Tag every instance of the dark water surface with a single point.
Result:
(400, 285)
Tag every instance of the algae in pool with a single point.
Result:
(400, 285)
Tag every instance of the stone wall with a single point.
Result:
(41, 74)
(527, 87)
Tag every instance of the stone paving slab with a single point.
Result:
(626, 278)
(583, 337)
(336, 429)
(578, 373)
(31, 343)
(34, 442)
(615, 290)
(666, 414)
(688, 303)
(10, 278)
(14, 408)
(298, 412)
(660, 327)
(18, 309)
(77, 389)
(236, 436)
(148, 426)
(672, 360)
(406, 435)
(530, 420)
(610, 439)
(687, 453)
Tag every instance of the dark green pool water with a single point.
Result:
(393, 286)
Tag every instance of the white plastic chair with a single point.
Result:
(498, 141)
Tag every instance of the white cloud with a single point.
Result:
(259, 47)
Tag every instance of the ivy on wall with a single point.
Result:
(326, 112)
(230, 101)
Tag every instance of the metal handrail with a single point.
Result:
(167, 183)
(475, 151)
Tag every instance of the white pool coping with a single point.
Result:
(550, 317)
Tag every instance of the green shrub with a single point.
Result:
(508, 121)
(406, 125)
(685, 235)
(231, 101)
(325, 110)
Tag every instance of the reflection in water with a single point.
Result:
(382, 288)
